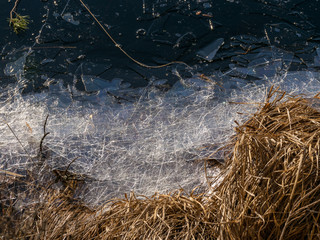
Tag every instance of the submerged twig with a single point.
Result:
(122, 50)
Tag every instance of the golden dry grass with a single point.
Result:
(269, 189)
(271, 184)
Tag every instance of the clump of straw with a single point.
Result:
(271, 186)
(163, 216)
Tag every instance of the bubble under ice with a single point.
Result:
(148, 145)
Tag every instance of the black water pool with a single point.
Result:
(208, 36)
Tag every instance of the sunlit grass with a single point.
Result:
(19, 23)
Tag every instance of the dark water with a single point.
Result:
(153, 32)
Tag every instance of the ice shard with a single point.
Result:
(209, 52)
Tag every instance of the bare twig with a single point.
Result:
(45, 133)
(10, 173)
(122, 50)
(13, 10)
(15, 135)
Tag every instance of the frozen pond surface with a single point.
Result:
(66, 42)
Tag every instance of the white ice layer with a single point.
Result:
(150, 145)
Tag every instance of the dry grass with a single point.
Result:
(269, 190)
(271, 186)
(173, 216)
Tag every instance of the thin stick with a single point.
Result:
(17, 139)
(45, 133)
(45, 124)
(41, 143)
(121, 49)
(13, 10)
(10, 173)
(70, 165)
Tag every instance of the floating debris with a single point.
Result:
(209, 52)
(185, 40)
(69, 18)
